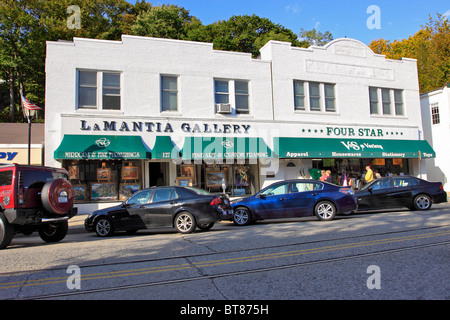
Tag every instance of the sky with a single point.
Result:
(364, 20)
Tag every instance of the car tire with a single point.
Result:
(206, 226)
(422, 202)
(103, 227)
(325, 211)
(6, 231)
(242, 216)
(185, 222)
(53, 232)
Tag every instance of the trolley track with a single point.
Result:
(209, 254)
(229, 274)
(328, 245)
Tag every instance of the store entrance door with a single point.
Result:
(158, 172)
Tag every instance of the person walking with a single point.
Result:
(369, 175)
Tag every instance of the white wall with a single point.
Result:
(438, 135)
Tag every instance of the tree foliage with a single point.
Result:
(430, 46)
(26, 25)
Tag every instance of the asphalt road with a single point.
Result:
(391, 255)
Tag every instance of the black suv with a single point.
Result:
(34, 198)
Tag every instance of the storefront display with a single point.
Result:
(98, 180)
(233, 179)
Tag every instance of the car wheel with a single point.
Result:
(206, 226)
(325, 211)
(241, 217)
(6, 231)
(185, 222)
(422, 202)
(53, 232)
(103, 227)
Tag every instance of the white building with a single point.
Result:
(122, 115)
(436, 125)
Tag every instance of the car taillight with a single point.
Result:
(346, 190)
(441, 187)
(215, 202)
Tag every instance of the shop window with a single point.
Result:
(104, 180)
(235, 179)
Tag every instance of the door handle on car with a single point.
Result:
(173, 202)
(282, 198)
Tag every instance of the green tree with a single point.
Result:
(430, 46)
(246, 34)
(314, 37)
(26, 25)
(166, 21)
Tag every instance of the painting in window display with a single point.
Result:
(126, 190)
(103, 191)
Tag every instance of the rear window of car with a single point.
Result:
(6, 178)
(198, 191)
(37, 178)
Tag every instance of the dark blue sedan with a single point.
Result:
(294, 198)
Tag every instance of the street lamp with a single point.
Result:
(29, 112)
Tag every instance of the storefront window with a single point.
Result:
(108, 180)
(234, 179)
(356, 168)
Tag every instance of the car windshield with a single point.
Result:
(198, 190)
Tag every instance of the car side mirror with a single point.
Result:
(370, 189)
(262, 196)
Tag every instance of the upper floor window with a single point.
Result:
(299, 95)
(314, 96)
(169, 93)
(435, 117)
(224, 100)
(391, 101)
(241, 97)
(92, 96)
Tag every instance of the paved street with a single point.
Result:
(387, 255)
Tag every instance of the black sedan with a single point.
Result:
(400, 191)
(294, 198)
(183, 208)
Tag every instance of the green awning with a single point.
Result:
(351, 148)
(89, 147)
(215, 148)
(164, 148)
